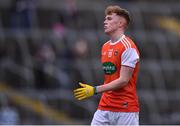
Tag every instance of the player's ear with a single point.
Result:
(120, 23)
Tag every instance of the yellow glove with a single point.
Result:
(84, 92)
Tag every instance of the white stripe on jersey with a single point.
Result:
(124, 45)
(126, 42)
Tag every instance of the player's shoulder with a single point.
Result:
(130, 45)
(128, 42)
(106, 43)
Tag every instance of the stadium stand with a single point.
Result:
(41, 62)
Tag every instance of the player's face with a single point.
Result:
(111, 23)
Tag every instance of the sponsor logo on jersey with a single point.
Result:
(109, 68)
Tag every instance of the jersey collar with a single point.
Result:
(113, 43)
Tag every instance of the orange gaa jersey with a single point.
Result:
(114, 55)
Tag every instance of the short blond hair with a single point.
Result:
(119, 11)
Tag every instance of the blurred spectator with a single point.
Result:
(45, 53)
(65, 18)
(58, 26)
(81, 49)
(8, 113)
(71, 7)
(82, 61)
(48, 75)
(45, 57)
(58, 29)
(22, 14)
(9, 116)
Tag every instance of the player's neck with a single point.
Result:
(116, 37)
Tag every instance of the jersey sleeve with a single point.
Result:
(129, 57)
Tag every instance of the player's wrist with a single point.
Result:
(95, 90)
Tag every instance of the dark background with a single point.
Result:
(48, 46)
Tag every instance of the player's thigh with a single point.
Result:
(100, 118)
(129, 118)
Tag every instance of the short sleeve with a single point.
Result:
(129, 57)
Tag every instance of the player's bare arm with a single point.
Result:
(87, 91)
(125, 75)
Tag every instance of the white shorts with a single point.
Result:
(115, 118)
